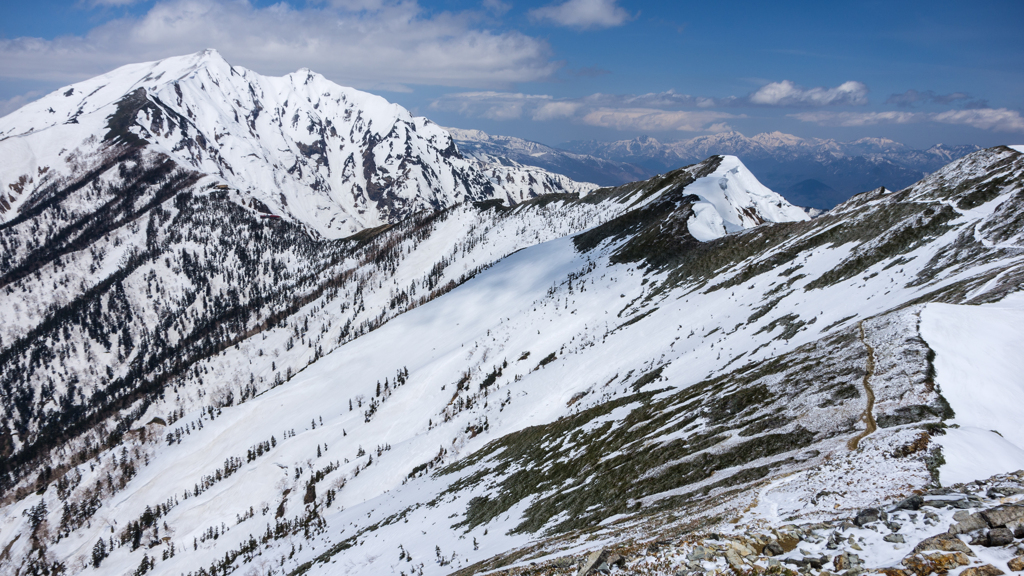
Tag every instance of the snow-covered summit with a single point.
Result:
(334, 158)
(732, 199)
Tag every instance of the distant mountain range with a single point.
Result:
(808, 171)
(580, 167)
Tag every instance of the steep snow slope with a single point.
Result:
(978, 364)
(732, 199)
(623, 384)
(333, 158)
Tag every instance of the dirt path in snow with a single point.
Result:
(869, 416)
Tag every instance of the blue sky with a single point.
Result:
(558, 70)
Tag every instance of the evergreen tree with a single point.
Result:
(99, 552)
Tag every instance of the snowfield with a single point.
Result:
(980, 370)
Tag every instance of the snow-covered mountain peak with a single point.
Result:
(299, 146)
(732, 199)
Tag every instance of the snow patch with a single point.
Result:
(978, 366)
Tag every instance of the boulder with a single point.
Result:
(894, 538)
(1002, 515)
(967, 522)
(1003, 491)
(1016, 564)
(999, 537)
(986, 570)
(595, 559)
(734, 559)
(912, 503)
(925, 564)
(944, 543)
(868, 515)
(699, 553)
(788, 542)
(847, 561)
(742, 549)
(773, 548)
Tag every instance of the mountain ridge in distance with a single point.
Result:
(782, 161)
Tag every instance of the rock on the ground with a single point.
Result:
(986, 570)
(592, 562)
(868, 515)
(944, 543)
(967, 522)
(1003, 515)
(912, 503)
(1016, 564)
(999, 537)
(925, 564)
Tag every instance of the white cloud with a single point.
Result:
(362, 43)
(995, 119)
(493, 105)
(583, 14)
(556, 110)
(786, 93)
(621, 112)
(857, 118)
(653, 120)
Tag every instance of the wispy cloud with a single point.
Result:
(621, 112)
(786, 93)
(497, 6)
(994, 119)
(363, 43)
(653, 111)
(497, 105)
(913, 97)
(583, 14)
(654, 120)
